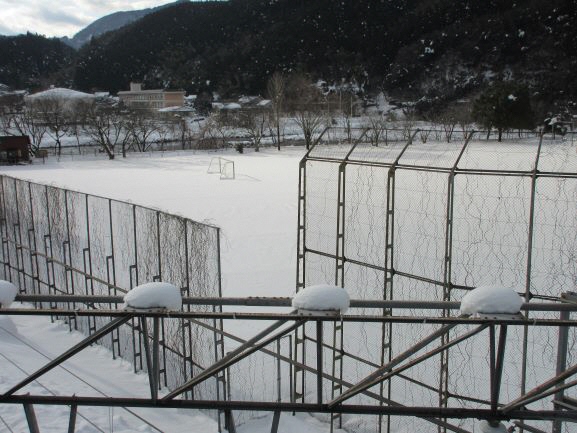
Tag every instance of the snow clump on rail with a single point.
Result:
(154, 295)
(322, 298)
(488, 428)
(8, 292)
(491, 300)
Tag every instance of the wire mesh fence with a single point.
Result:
(430, 221)
(57, 241)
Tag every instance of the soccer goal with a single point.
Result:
(222, 166)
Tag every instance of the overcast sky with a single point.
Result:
(61, 17)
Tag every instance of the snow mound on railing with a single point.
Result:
(322, 298)
(8, 292)
(491, 300)
(154, 295)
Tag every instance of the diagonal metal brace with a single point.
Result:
(236, 355)
(358, 388)
(540, 390)
(70, 353)
(386, 371)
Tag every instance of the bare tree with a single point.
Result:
(276, 92)
(26, 123)
(424, 134)
(254, 124)
(377, 128)
(55, 115)
(305, 101)
(107, 127)
(408, 123)
(141, 127)
(214, 132)
(179, 128)
(10, 107)
(448, 122)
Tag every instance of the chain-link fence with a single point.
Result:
(57, 241)
(429, 221)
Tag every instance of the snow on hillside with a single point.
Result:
(59, 93)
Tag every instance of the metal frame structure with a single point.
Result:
(72, 270)
(324, 166)
(496, 408)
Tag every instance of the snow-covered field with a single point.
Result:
(257, 214)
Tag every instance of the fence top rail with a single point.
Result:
(422, 320)
(112, 200)
(563, 305)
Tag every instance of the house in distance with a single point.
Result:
(137, 98)
(14, 149)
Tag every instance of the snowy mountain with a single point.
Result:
(108, 23)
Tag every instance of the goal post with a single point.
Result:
(222, 166)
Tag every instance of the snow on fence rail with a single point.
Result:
(428, 222)
(58, 241)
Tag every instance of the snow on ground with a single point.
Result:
(322, 298)
(154, 295)
(257, 213)
(92, 372)
(260, 204)
(491, 300)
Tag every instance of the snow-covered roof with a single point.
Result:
(264, 103)
(247, 99)
(61, 93)
(232, 106)
(175, 109)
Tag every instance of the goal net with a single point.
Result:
(222, 166)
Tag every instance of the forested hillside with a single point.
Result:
(427, 50)
(32, 61)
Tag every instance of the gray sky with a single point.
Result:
(61, 17)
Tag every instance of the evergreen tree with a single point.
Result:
(504, 105)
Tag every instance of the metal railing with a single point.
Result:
(493, 406)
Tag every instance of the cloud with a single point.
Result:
(61, 17)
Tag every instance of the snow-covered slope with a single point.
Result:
(108, 23)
